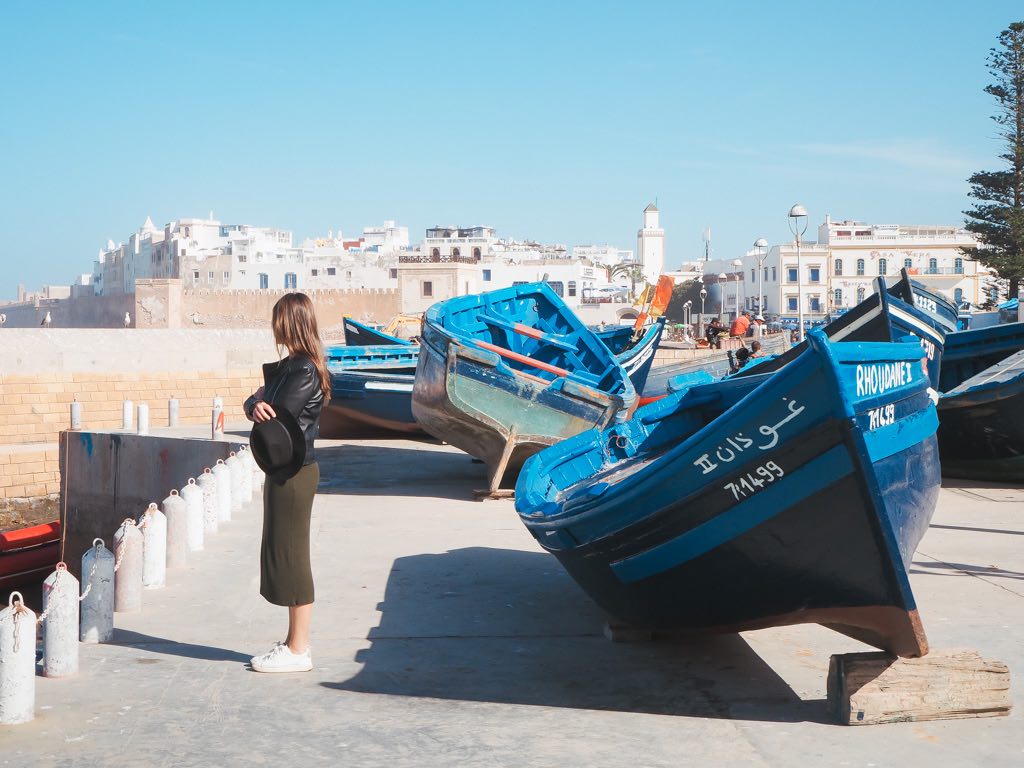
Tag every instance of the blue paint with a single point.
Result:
(86, 440)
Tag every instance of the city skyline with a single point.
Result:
(558, 124)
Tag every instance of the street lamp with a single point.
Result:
(798, 225)
(703, 295)
(722, 277)
(761, 245)
(738, 265)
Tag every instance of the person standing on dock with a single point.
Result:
(286, 412)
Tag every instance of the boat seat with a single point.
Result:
(525, 330)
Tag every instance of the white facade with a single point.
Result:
(650, 245)
(609, 255)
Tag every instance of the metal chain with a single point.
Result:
(96, 543)
(127, 522)
(19, 608)
(61, 567)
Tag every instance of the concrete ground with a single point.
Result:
(444, 636)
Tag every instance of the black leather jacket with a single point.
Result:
(294, 384)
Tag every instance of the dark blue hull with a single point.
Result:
(693, 517)
(369, 404)
(361, 335)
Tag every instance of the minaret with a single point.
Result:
(650, 245)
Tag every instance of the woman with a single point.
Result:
(295, 384)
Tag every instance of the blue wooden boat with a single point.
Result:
(362, 335)
(371, 391)
(505, 373)
(981, 412)
(636, 356)
(786, 498)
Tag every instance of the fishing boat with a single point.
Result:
(981, 411)
(362, 335)
(28, 553)
(635, 350)
(713, 362)
(784, 498)
(371, 392)
(505, 373)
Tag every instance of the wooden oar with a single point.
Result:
(522, 358)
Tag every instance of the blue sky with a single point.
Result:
(556, 121)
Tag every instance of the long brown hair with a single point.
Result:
(294, 324)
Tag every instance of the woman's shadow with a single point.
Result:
(495, 625)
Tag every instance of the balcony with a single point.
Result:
(426, 258)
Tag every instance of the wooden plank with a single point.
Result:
(871, 688)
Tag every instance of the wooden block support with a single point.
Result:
(626, 633)
(870, 688)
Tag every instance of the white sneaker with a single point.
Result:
(280, 658)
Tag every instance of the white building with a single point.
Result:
(838, 272)
(650, 245)
(609, 255)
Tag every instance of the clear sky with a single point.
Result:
(557, 121)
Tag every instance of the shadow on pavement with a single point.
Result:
(128, 639)
(403, 469)
(508, 626)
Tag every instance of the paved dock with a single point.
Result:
(443, 636)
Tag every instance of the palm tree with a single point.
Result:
(631, 271)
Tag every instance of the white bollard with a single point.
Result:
(128, 576)
(176, 512)
(126, 415)
(98, 595)
(257, 474)
(244, 461)
(17, 662)
(223, 475)
(154, 548)
(208, 485)
(218, 402)
(76, 415)
(60, 627)
(193, 496)
(143, 428)
(236, 470)
(172, 412)
(217, 423)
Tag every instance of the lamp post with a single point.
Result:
(738, 266)
(722, 277)
(798, 225)
(761, 246)
(703, 295)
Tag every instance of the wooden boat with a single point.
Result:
(713, 362)
(362, 335)
(636, 356)
(981, 411)
(371, 392)
(28, 553)
(793, 497)
(505, 373)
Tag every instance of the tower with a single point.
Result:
(650, 245)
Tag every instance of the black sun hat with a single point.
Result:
(278, 446)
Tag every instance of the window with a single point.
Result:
(393, 274)
(487, 275)
(815, 274)
(290, 280)
(837, 297)
(860, 294)
(242, 257)
(558, 287)
(791, 303)
(314, 272)
(476, 253)
(908, 263)
(753, 275)
(227, 276)
(791, 274)
(933, 266)
(209, 276)
(860, 266)
(348, 274)
(958, 296)
(883, 267)
(815, 302)
(435, 253)
(773, 274)
(426, 288)
(264, 280)
(839, 268)
(331, 271)
(195, 274)
(766, 273)
(958, 265)
(456, 253)
(572, 287)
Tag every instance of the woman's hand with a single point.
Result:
(262, 412)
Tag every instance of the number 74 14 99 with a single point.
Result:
(754, 481)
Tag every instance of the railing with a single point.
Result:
(427, 258)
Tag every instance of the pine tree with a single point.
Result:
(998, 218)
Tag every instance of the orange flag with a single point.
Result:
(662, 296)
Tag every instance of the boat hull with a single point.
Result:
(369, 404)
(28, 553)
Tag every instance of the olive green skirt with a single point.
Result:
(286, 577)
